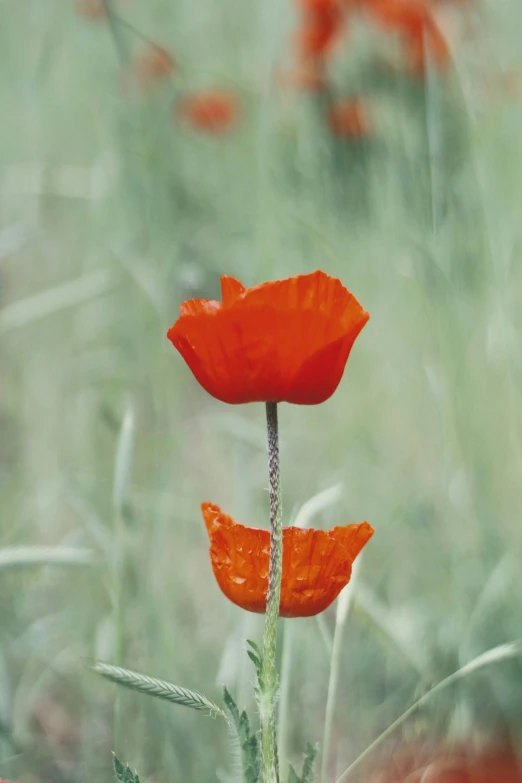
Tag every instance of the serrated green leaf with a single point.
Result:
(253, 657)
(308, 774)
(231, 707)
(123, 773)
(255, 647)
(118, 767)
(256, 657)
(250, 761)
(293, 777)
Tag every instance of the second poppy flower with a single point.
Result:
(317, 564)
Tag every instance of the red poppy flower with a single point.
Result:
(213, 111)
(317, 564)
(283, 341)
(349, 119)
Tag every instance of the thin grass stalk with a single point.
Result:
(500, 653)
(267, 705)
(325, 634)
(122, 468)
(433, 139)
(303, 518)
(119, 40)
(343, 608)
(24, 556)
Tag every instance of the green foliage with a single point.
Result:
(153, 687)
(307, 774)
(250, 758)
(256, 656)
(293, 777)
(124, 773)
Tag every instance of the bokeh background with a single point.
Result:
(116, 203)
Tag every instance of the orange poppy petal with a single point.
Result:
(282, 341)
(199, 307)
(231, 290)
(317, 564)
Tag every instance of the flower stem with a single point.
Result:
(269, 672)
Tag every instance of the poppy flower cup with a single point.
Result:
(282, 341)
(317, 564)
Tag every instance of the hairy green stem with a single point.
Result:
(269, 672)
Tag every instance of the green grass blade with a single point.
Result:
(158, 688)
(24, 556)
(54, 300)
(123, 462)
(344, 603)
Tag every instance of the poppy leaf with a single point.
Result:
(257, 663)
(293, 777)
(253, 657)
(255, 647)
(256, 657)
(308, 774)
(123, 773)
(231, 707)
(250, 761)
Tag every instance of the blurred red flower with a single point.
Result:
(318, 6)
(446, 764)
(316, 36)
(153, 65)
(319, 30)
(212, 111)
(349, 119)
(320, 26)
(282, 341)
(317, 564)
(91, 9)
(414, 21)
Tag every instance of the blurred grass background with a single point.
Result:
(111, 213)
